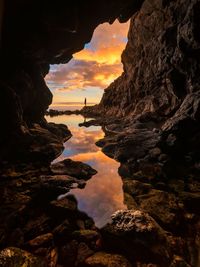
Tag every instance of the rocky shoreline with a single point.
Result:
(160, 228)
(150, 116)
(55, 112)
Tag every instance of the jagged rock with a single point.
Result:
(139, 142)
(73, 168)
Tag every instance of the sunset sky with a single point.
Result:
(92, 69)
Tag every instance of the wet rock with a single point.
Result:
(73, 168)
(60, 130)
(52, 186)
(163, 207)
(15, 257)
(45, 240)
(44, 143)
(139, 143)
(96, 122)
(107, 260)
(137, 235)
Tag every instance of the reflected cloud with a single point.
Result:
(103, 194)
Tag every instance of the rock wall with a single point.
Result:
(161, 61)
(35, 34)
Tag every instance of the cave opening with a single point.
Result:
(150, 123)
(85, 77)
(91, 70)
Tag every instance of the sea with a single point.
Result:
(69, 105)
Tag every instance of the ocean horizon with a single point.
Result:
(69, 105)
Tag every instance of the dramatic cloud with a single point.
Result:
(94, 67)
(80, 74)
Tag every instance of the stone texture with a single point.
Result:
(158, 88)
(34, 35)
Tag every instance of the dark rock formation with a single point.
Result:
(74, 168)
(53, 112)
(156, 135)
(138, 236)
(38, 216)
(160, 83)
(160, 61)
(35, 34)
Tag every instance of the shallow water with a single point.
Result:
(103, 194)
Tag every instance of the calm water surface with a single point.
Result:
(103, 194)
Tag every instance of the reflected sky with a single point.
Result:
(103, 194)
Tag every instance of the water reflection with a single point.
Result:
(103, 193)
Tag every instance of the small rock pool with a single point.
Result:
(103, 194)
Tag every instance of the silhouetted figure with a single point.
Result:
(85, 102)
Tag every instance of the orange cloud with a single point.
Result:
(97, 65)
(106, 55)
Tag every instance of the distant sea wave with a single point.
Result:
(69, 105)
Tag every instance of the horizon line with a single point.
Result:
(65, 103)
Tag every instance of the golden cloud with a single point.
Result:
(97, 65)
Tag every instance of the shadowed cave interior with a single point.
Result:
(150, 119)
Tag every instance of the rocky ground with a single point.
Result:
(160, 228)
